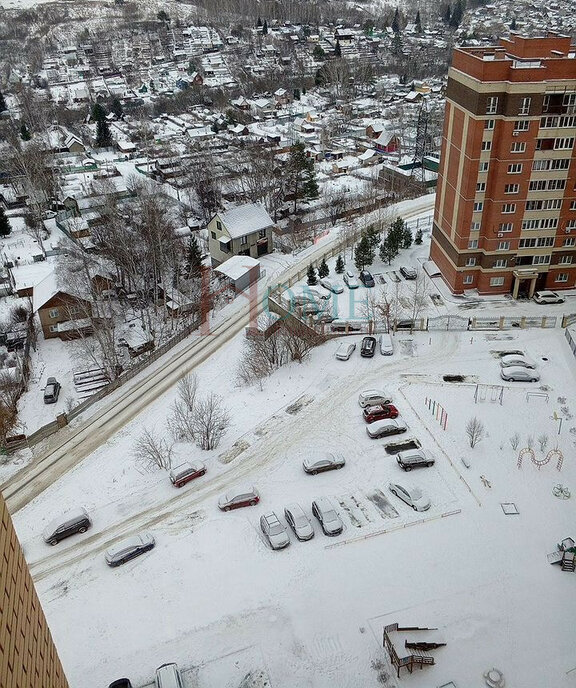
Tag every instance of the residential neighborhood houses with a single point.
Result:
(213, 219)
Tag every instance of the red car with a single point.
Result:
(380, 412)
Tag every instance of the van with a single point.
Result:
(72, 522)
(168, 676)
(185, 472)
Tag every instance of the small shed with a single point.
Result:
(241, 271)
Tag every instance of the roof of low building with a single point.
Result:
(237, 266)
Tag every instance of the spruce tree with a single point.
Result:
(300, 175)
(418, 22)
(338, 49)
(363, 253)
(457, 15)
(103, 135)
(264, 28)
(323, 270)
(98, 112)
(447, 14)
(5, 227)
(396, 22)
(296, 93)
(116, 108)
(3, 106)
(24, 133)
(193, 258)
(340, 267)
(406, 238)
(373, 235)
(311, 275)
(259, 22)
(418, 237)
(318, 53)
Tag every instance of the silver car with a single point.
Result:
(335, 286)
(516, 360)
(385, 427)
(327, 515)
(299, 522)
(274, 531)
(386, 344)
(350, 279)
(519, 374)
(329, 462)
(344, 351)
(413, 496)
(374, 397)
(129, 548)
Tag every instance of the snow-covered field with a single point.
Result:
(213, 597)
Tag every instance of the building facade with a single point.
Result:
(505, 215)
(245, 230)
(28, 657)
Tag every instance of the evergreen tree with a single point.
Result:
(373, 235)
(340, 267)
(337, 49)
(193, 258)
(391, 245)
(116, 108)
(300, 175)
(259, 22)
(264, 28)
(396, 47)
(447, 14)
(406, 238)
(24, 133)
(5, 227)
(318, 53)
(363, 253)
(311, 276)
(320, 78)
(396, 22)
(513, 24)
(98, 112)
(418, 237)
(323, 270)
(163, 16)
(296, 93)
(457, 14)
(103, 135)
(3, 106)
(303, 90)
(418, 22)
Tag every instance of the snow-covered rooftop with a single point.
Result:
(237, 266)
(245, 219)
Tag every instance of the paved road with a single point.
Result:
(67, 448)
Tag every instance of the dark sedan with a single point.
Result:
(368, 347)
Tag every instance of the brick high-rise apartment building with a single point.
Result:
(28, 658)
(505, 216)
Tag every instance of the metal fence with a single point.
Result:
(507, 323)
(570, 336)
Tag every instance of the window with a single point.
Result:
(470, 262)
(564, 144)
(53, 313)
(527, 243)
(571, 224)
(565, 260)
(573, 205)
(484, 167)
(475, 226)
(511, 188)
(508, 208)
(243, 240)
(569, 241)
(489, 124)
(546, 104)
(505, 226)
(540, 260)
(486, 145)
(218, 225)
(537, 185)
(549, 223)
(213, 235)
(530, 224)
(478, 206)
(549, 122)
(481, 186)
(562, 164)
(551, 204)
(53, 328)
(515, 168)
(502, 263)
(518, 147)
(496, 281)
(562, 277)
(473, 243)
(503, 246)
(492, 105)
(569, 100)
(568, 122)
(525, 106)
(521, 125)
(556, 185)
(540, 165)
(468, 279)
(262, 234)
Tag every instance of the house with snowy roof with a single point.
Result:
(245, 230)
(61, 314)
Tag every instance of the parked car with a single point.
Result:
(379, 412)
(373, 397)
(366, 278)
(517, 360)
(329, 462)
(318, 293)
(239, 497)
(414, 458)
(121, 683)
(129, 548)
(547, 297)
(51, 391)
(168, 676)
(310, 308)
(386, 344)
(299, 522)
(274, 531)
(344, 351)
(519, 374)
(327, 515)
(408, 273)
(383, 428)
(75, 521)
(351, 280)
(333, 285)
(343, 325)
(413, 496)
(187, 471)
(323, 316)
(368, 347)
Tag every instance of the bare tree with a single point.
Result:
(475, 431)
(181, 419)
(417, 298)
(543, 442)
(336, 204)
(210, 421)
(514, 441)
(153, 452)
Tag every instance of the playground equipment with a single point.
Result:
(438, 411)
(491, 393)
(541, 462)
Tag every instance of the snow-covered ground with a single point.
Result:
(213, 597)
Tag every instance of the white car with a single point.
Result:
(128, 549)
(274, 530)
(547, 297)
(385, 427)
(335, 286)
(344, 351)
(299, 522)
(374, 397)
(516, 360)
(519, 374)
(351, 280)
(386, 344)
(413, 496)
